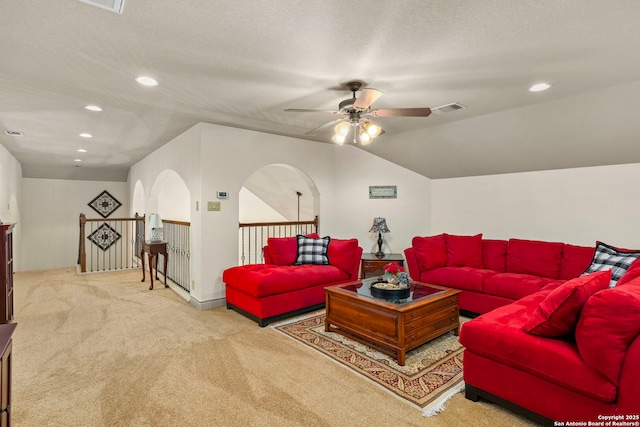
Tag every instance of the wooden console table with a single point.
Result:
(152, 249)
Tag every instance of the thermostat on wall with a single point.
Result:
(223, 195)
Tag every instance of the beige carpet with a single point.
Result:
(103, 350)
(432, 373)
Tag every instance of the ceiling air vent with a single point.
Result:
(448, 108)
(13, 133)
(112, 5)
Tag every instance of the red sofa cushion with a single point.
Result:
(465, 278)
(534, 257)
(464, 251)
(575, 260)
(494, 255)
(343, 253)
(498, 336)
(431, 251)
(284, 250)
(515, 285)
(558, 314)
(609, 322)
(261, 280)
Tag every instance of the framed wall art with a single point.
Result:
(104, 236)
(383, 191)
(105, 204)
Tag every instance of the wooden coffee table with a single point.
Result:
(392, 328)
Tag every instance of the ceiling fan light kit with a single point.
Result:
(356, 111)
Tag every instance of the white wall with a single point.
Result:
(10, 200)
(50, 214)
(407, 216)
(253, 209)
(213, 158)
(577, 206)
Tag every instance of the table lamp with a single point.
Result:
(379, 226)
(155, 224)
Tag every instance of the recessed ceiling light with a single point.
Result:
(86, 135)
(13, 133)
(146, 81)
(539, 87)
(93, 108)
(77, 160)
(81, 150)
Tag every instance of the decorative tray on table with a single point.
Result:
(384, 290)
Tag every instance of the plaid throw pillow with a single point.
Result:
(312, 251)
(609, 257)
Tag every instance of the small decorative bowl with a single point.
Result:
(384, 292)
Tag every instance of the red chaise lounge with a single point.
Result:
(279, 288)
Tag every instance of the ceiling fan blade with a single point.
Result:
(324, 126)
(309, 110)
(401, 112)
(366, 98)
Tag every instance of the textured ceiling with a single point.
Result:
(242, 63)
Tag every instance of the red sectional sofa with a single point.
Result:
(558, 339)
(492, 273)
(568, 354)
(279, 288)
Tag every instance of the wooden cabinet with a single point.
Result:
(373, 266)
(6, 272)
(6, 360)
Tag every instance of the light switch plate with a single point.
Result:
(213, 206)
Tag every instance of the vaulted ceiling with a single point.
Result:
(242, 63)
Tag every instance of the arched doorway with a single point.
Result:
(170, 199)
(273, 202)
(278, 192)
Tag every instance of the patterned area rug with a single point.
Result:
(432, 373)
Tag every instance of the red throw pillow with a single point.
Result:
(464, 251)
(431, 252)
(608, 324)
(284, 250)
(558, 313)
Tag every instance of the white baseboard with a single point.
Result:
(205, 305)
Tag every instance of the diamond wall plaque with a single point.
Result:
(105, 204)
(104, 236)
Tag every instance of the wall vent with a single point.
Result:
(448, 108)
(13, 133)
(112, 5)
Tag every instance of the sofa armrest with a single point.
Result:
(412, 264)
(354, 273)
(629, 388)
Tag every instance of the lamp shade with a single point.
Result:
(155, 224)
(379, 226)
(342, 128)
(155, 221)
(372, 129)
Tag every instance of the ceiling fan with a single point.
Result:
(356, 112)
